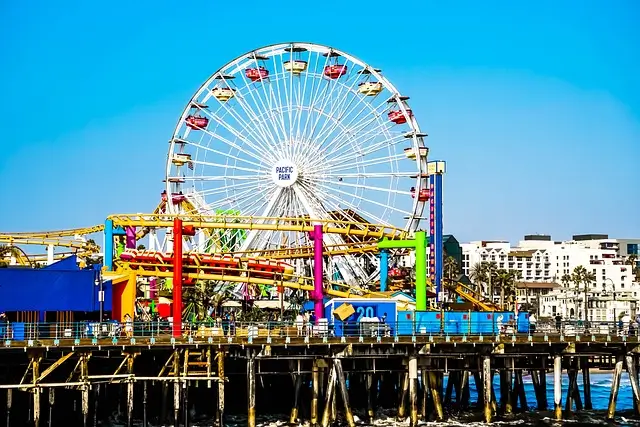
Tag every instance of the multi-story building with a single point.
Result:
(538, 259)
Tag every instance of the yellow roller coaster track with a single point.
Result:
(55, 234)
(365, 230)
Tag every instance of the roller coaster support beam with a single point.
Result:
(178, 232)
(109, 233)
(108, 245)
(384, 269)
(318, 288)
(436, 170)
(130, 232)
(177, 277)
(419, 245)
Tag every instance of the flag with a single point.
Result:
(190, 164)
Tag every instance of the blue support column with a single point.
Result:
(108, 245)
(384, 269)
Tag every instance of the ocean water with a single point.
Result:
(600, 389)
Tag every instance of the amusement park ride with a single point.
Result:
(286, 171)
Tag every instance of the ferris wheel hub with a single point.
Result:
(284, 173)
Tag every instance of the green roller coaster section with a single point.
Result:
(226, 240)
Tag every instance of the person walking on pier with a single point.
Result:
(128, 325)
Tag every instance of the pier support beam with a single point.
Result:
(331, 384)
(9, 403)
(413, 390)
(633, 379)
(36, 391)
(52, 399)
(144, 405)
(557, 386)
(176, 387)
(251, 390)
(315, 391)
(401, 415)
(487, 388)
(293, 418)
(344, 393)
(221, 383)
(615, 387)
(85, 387)
(130, 384)
(586, 384)
(371, 387)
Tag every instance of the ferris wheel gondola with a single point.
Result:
(299, 130)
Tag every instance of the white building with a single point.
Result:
(539, 259)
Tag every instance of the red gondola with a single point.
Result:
(398, 118)
(335, 71)
(197, 122)
(255, 74)
(423, 196)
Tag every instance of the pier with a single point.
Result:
(312, 377)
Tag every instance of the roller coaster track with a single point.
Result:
(12, 239)
(71, 232)
(331, 226)
(239, 275)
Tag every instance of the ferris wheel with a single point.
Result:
(298, 130)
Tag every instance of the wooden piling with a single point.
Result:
(487, 388)
(403, 397)
(293, 418)
(413, 390)
(369, 384)
(586, 384)
(52, 399)
(36, 391)
(557, 386)
(509, 400)
(520, 392)
(330, 390)
(144, 404)
(315, 391)
(344, 393)
(615, 387)
(176, 388)
(435, 395)
(251, 390)
(221, 384)
(130, 384)
(85, 387)
(633, 378)
(425, 394)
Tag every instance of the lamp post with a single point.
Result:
(100, 284)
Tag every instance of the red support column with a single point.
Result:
(177, 277)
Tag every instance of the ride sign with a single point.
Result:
(284, 173)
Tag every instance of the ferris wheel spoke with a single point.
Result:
(273, 200)
(265, 138)
(382, 205)
(354, 127)
(267, 110)
(331, 200)
(365, 146)
(349, 164)
(236, 133)
(325, 101)
(319, 82)
(345, 99)
(220, 153)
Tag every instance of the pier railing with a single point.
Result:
(20, 331)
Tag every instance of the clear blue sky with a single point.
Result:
(535, 105)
